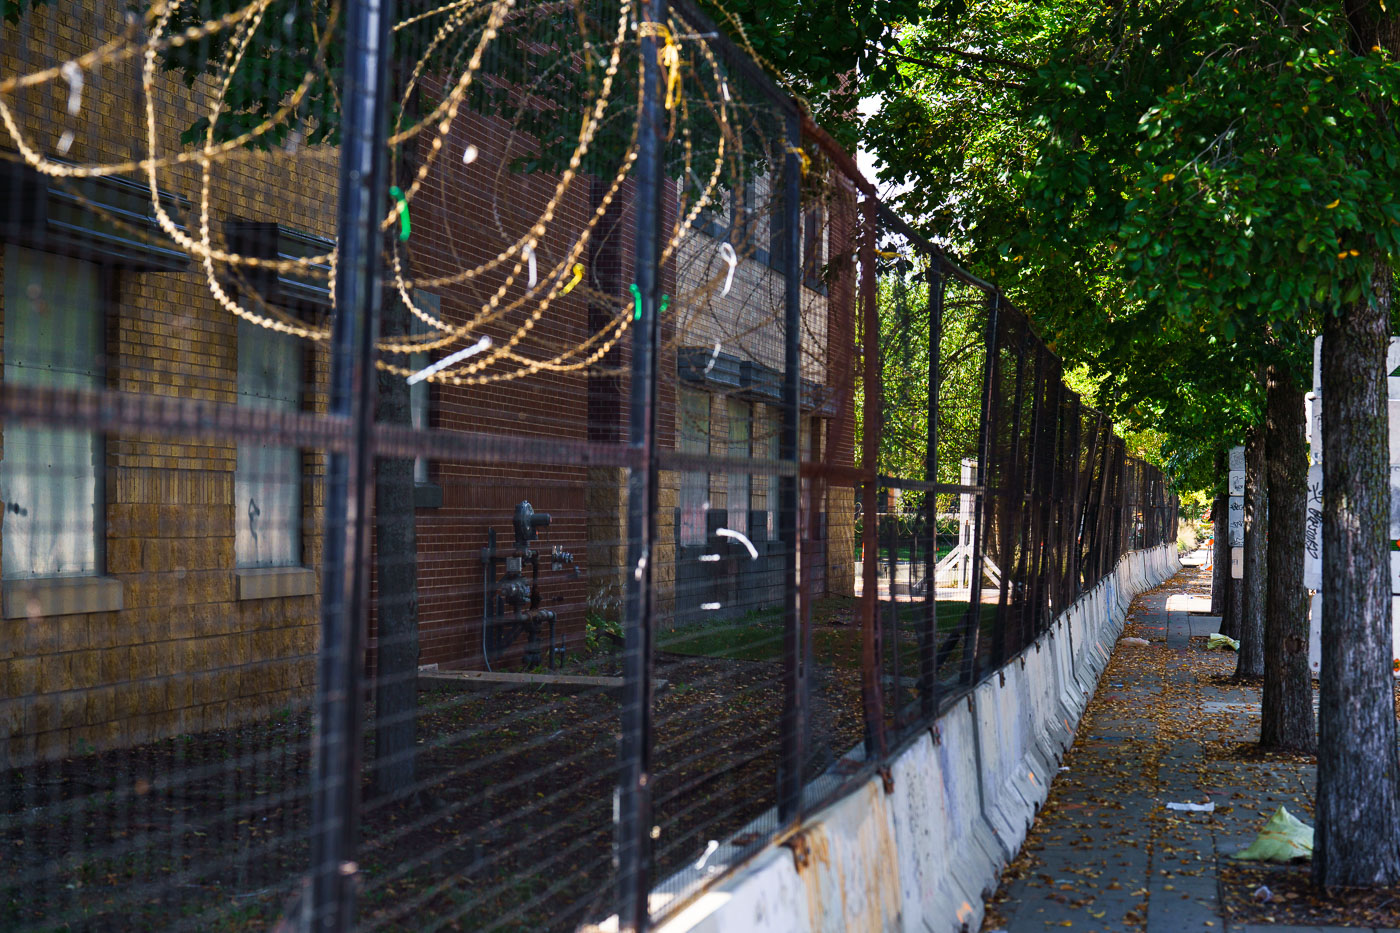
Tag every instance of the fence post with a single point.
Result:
(335, 787)
(1075, 583)
(987, 434)
(634, 765)
(1012, 576)
(928, 636)
(794, 717)
(871, 652)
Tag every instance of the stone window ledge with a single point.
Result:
(60, 596)
(275, 582)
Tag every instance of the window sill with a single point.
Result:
(61, 596)
(275, 582)
(427, 496)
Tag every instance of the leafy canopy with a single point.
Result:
(1177, 192)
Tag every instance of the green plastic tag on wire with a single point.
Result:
(637, 302)
(405, 228)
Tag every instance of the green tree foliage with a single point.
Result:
(1212, 183)
(1231, 160)
(905, 337)
(1174, 191)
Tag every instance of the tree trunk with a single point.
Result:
(1287, 708)
(1256, 499)
(1358, 769)
(1357, 839)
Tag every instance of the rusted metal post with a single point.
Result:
(793, 725)
(633, 812)
(349, 485)
(973, 619)
(349, 481)
(928, 633)
(871, 648)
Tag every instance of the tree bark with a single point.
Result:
(1357, 838)
(1358, 770)
(1287, 706)
(1256, 498)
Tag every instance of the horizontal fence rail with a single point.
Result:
(509, 497)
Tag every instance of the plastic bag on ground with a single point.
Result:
(1222, 641)
(1283, 838)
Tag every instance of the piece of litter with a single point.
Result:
(1062, 768)
(1263, 894)
(710, 606)
(1283, 838)
(1219, 641)
(1135, 641)
(1193, 807)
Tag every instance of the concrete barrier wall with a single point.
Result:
(921, 851)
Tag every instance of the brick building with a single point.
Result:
(156, 586)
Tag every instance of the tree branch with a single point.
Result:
(961, 70)
(969, 56)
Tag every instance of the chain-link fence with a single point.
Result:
(481, 466)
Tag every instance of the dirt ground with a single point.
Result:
(510, 826)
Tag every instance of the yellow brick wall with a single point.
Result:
(841, 541)
(183, 655)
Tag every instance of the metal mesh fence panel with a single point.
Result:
(481, 466)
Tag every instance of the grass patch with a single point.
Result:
(836, 634)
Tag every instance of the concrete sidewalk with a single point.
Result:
(1105, 853)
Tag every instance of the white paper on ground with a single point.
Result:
(1193, 807)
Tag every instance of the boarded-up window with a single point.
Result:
(51, 479)
(420, 393)
(768, 439)
(740, 445)
(267, 478)
(693, 437)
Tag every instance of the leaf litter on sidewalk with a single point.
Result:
(1225, 764)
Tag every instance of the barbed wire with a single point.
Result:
(699, 104)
